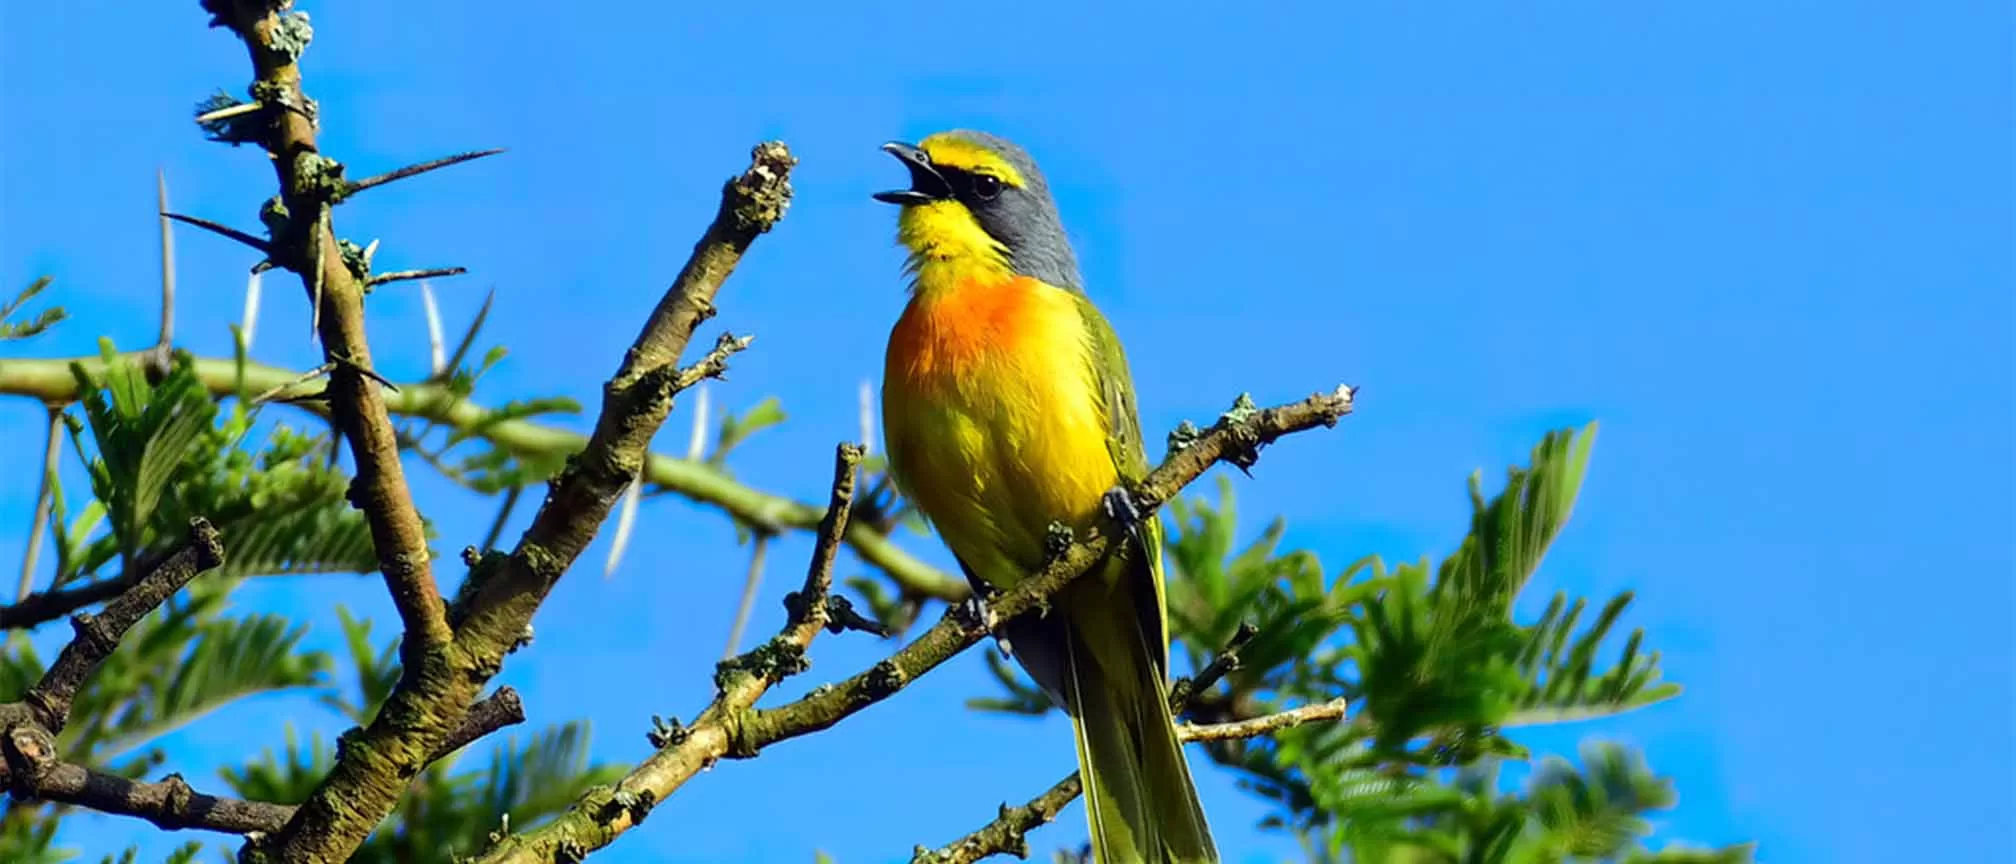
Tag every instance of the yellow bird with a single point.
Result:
(1007, 407)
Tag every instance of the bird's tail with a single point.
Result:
(1139, 798)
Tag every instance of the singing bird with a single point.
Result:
(1007, 407)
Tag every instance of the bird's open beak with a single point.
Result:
(926, 184)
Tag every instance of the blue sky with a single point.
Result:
(1767, 245)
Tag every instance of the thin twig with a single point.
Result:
(404, 275)
(223, 230)
(1008, 833)
(52, 451)
(42, 607)
(1266, 724)
(411, 170)
(273, 392)
(498, 710)
(1184, 690)
(503, 515)
(750, 582)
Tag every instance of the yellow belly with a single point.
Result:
(993, 423)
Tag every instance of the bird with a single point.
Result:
(1007, 410)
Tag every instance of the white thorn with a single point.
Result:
(167, 257)
(228, 112)
(867, 419)
(251, 319)
(437, 353)
(626, 519)
(697, 445)
(370, 250)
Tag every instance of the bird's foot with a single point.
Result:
(973, 610)
(1120, 507)
(975, 613)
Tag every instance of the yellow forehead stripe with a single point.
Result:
(952, 151)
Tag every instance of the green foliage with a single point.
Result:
(47, 318)
(277, 503)
(1435, 667)
(1596, 812)
(26, 838)
(738, 428)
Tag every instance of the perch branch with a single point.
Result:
(733, 728)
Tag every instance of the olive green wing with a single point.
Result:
(1114, 387)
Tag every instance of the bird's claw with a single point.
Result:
(974, 612)
(1120, 507)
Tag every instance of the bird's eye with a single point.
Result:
(986, 186)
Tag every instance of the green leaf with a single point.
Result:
(10, 330)
(736, 429)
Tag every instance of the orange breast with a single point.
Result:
(993, 424)
(942, 338)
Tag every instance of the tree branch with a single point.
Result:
(44, 606)
(731, 727)
(501, 596)
(49, 380)
(500, 709)
(306, 243)
(30, 768)
(1008, 833)
(606, 813)
(32, 771)
(47, 704)
(170, 804)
